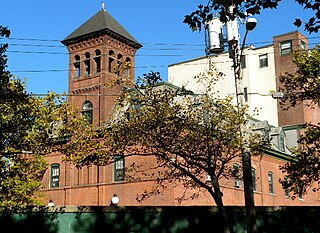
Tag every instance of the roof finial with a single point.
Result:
(102, 6)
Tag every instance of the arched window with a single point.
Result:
(119, 64)
(112, 61)
(97, 60)
(87, 111)
(77, 65)
(54, 175)
(87, 63)
(128, 66)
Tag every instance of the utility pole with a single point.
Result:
(215, 45)
(236, 54)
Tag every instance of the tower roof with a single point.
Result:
(101, 23)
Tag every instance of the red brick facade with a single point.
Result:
(283, 63)
(96, 185)
(92, 87)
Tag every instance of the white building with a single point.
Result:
(261, 68)
(258, 72)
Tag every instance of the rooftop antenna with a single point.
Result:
(102, 6)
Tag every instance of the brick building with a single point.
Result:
(96, 48)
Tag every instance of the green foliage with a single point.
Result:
(303, 87)
(27, 133)
(304, 173)
(304, 84)
(189, 136)
(242, 8)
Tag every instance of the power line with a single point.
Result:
(144, 43)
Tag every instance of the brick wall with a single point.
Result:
(284, 64)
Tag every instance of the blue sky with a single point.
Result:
(157, 25)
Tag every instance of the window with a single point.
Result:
(254, 179)
(76, 65)
(270, 182)
(87, 111)
(281, 143)
(127, 67)
(111, 64)
(300, 191)
(54, 175)
(243, 61)
(236, 176)
(285, 186)
(285, 47)
(87, 63)
(303, 45)
(118, 168)
(245, 94)
(263, 60)
(97, 60)
(119, 64)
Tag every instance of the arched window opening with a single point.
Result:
(76, 65)
(112, 62)
(87, 63)
(87, 111)
(97, 60)
(127, 67)
(119, 64)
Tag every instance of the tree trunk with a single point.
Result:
(217, 196)
(248, 194)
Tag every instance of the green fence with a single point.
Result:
(195, 219)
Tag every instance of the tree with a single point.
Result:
(28, 129)
(302, 87)
(242, 8)
(191, 137)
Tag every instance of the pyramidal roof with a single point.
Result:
(102, 22)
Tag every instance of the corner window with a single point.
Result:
(303, 45)
(236, 176)
(118, 168)
(263, 60)
(54, 175)
(127, 67)
(270, 182)
(285, 47)
(87, 111)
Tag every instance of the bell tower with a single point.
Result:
(96, 49)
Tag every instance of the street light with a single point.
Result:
(50, 203)
(114, 200)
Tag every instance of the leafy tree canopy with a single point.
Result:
(302, 87)
(29, 127)
(191, 137)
